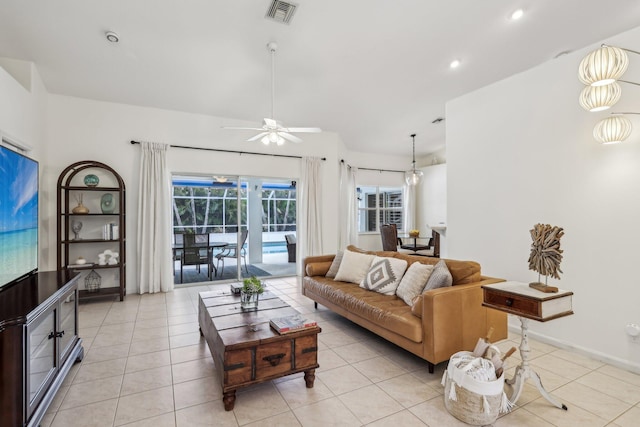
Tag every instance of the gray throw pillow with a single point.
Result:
(440, 277)
(335, 265)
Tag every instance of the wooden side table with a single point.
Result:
(527, 303)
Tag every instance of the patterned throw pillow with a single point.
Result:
(440, 277)
(335, 265)
(384, 275)
(414, 281)
(354, 267)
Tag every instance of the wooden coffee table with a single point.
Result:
(246, 350)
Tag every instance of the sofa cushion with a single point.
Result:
(387, 311)
(440, 277)
(462, 271)
(318, 268)
(354, 267)
(335, 265)
(413, 282)
(384, 275)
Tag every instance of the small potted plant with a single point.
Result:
(250, 292)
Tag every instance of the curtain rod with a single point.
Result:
(371, 169)
(232, 151)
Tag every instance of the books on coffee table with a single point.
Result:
(293, 323)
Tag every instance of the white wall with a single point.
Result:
(432, 202)
(520, 152)
(80, 129)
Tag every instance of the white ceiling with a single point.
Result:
(373, 71)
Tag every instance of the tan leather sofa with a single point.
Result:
(441, 321)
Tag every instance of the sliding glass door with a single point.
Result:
(244, 226)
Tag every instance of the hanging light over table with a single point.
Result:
(413, 176)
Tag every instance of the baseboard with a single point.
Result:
(596, 355)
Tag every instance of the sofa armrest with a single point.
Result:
(320, 264)
(453, 318)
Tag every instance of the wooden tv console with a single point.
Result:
(39, 343)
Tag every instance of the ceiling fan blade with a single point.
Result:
(307, 130)
(290, 137)
(240, 128)
(257, 137)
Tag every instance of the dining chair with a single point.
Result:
(177, 249)
(389, 235)
(233, 250)
(195, 251)
(291, 246)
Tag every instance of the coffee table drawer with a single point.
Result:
(273, 359)
(306, 351)
(237, 367)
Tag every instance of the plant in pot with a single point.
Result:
(250, 292)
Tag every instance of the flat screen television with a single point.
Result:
(18, 216)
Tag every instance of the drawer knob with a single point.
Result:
(509, 302)
(274, 359)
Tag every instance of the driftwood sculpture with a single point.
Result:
(546, 254)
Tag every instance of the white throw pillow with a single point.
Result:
(414, 281)
(384, 275)
(353, 267)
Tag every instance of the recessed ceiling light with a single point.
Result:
(517, 14)
(455, 63)
(112, 37)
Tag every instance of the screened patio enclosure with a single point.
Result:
(226, 228)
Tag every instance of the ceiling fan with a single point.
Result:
(272, 131)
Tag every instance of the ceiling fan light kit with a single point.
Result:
(272, 131)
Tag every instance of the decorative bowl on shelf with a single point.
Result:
(91, 180)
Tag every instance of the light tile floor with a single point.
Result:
(146, 365)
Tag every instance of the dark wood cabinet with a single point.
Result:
(102, 226)
(39, 343)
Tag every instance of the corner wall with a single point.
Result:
(520, 152)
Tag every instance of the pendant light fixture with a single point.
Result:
(599, 98)
(612, 130)
(603, 66)
(413, 176)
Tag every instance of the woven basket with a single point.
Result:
(471, 401)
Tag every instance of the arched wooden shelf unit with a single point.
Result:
(105, 229)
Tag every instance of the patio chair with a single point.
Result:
(291, 246)
(233, 250)
(195, 251)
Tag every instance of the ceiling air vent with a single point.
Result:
(281, 11)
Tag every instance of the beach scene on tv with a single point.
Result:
(18, 215)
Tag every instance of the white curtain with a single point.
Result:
(347, 221)
(310, 217)
(154, 221)
(409, 196)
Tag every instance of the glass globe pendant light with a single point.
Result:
(413, 176)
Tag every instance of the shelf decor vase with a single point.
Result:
(249, 300)
(80, 209)
(91, 180)
(107, 204)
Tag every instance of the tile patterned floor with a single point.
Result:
(146, 365)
